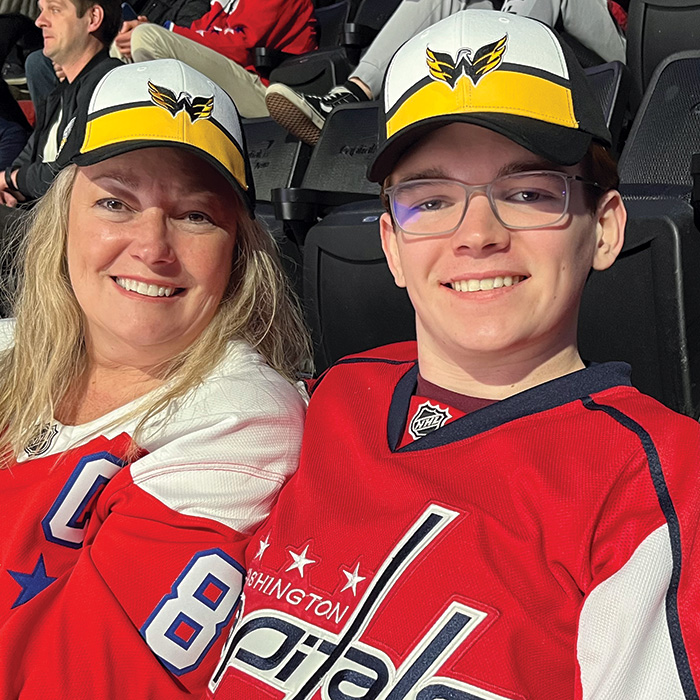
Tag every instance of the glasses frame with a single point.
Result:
(388, 194)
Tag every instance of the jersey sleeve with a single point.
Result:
(146, 607)
(638, 632)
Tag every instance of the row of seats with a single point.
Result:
(655, 29)
(645, 310)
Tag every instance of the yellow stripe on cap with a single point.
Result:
(157, 124)
(501, 91)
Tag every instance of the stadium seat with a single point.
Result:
(318, 71)
(611, 83)
(336, 173)
(350, 298)
(370, 17)
(645, 309)
(695, 197)
(277, 160)
(656, 29)
(666, 129)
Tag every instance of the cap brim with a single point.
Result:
(558, 144)
(105, 152)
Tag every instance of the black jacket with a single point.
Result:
(180, 12)
(34, 176)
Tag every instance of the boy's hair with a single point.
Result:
(111, 22)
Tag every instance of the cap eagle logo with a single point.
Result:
(486, 59)
(196, 107)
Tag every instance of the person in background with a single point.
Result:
(43, 75)
(595, 23)
(481, 513)
(221, 43)
(147, 399)
(76, 37)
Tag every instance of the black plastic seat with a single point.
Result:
(316, 72)
(611, 83)
(350, 298)
(277, 160)
(655, 30)
(645, 309)
(666, 129)
(336, 173)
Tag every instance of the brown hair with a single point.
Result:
(599, 166)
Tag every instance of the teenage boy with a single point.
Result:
(480, 514)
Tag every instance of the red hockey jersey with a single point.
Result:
(234, 28)
(119, 580)
(541, 548)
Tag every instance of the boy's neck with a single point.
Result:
(497, 377)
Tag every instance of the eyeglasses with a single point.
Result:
(527, 200)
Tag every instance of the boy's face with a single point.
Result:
(531, 320)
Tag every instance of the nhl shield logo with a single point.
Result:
(427, 418)
(41, 442)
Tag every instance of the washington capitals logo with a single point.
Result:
(486, 59)
(196, 107)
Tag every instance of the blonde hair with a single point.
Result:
(49, 354)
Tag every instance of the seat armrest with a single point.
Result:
(267, 59)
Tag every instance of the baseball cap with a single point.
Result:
(507, 73)
(167, 103)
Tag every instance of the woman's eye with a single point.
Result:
(198, 218)
(111, 204)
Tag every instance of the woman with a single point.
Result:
(148, 399)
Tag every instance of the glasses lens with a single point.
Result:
(427, 207)
(530, 200)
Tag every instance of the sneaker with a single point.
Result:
(13, 74)
(304, 115)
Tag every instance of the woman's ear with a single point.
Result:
(611, 217)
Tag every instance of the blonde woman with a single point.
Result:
(147, 399)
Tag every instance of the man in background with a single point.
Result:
(76, 36)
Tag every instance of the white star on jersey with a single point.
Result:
(300, 561)
(263, 544)
(353, 579)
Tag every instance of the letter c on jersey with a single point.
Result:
(66, 520)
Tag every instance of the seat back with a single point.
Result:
(645, 309)
(350, 298)
(666, 129)
(655, 30)
(611, 84)
(375, 13)
(344, 151)
(277, 158)
(316, 72)
(331, 21)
